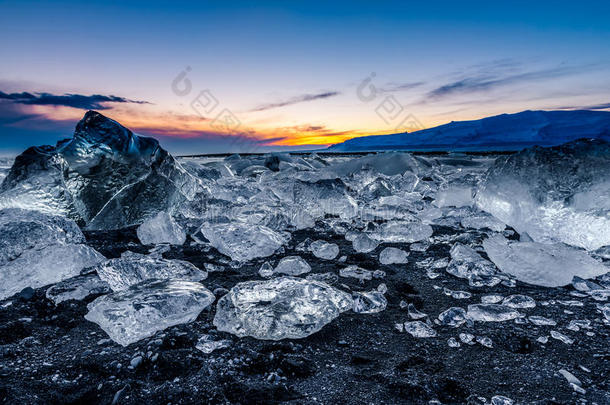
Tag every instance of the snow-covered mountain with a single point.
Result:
(501, 132)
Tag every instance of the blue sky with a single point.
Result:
(288, 73)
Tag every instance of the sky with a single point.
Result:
(233, 76)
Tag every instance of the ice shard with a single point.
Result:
(38, 249)
(161, 229)
(557, 194)
(549, 265)
(146, 308)
(132, 268)
(281, 308)
(105, 177)
(243, 242)
(77, 288)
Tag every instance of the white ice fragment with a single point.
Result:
(38, 249)
(356, 272)
(77, 288)
(266, 270)
(501, 400)
(541, 264)
(491, 299)
(485, 341)
(454, 317)
(419, 246)
(519, 301)
(467, 263)
(419, 329)
(146, 308)
(491, 313)
(483, 221)
(161, 229)
(458, 295)
(392, 255)
(292, 266)
(402, 232)
(541, 321)
(560, 336)
(573, 381)
(132, 268)
(467, 338)
(363, 244)
(328, 278)
(324, 250)
(280, 308)
(208, 344)
(369, 302)
(414, 313)
(543, 339)
(581, 284)
(452, 342)
(243, 242)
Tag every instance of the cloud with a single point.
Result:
(605, 106)
(295, 100)
(92, 102)
(392, 87)
(487, 81)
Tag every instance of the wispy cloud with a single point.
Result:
(483, 81)
(392, 87)
(297, 99)
(605, 106)
(92, 102)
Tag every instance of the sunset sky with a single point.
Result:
(207, 77)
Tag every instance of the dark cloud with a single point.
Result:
(92, 102)
(298, 99)
(487, 81)
(588, 107)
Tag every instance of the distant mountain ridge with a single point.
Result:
(500, 132)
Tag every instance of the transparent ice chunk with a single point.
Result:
(146, 308)
(324, 250)
(280, 308)
(132, 268)
(161, 229)
(492, 313)
(419, 329)
(392, 255)
(77, 288)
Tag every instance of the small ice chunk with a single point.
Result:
(369, 302)
(485, 341)
(560, 336)
(581, 284)
(467, 338)
(573, 381)
(454, 317)
(501, 400)
(324, 250)
(414, 313)
(543, 339)
(548, 265)
(454, 196)
(419, 329)
(77, 288)
(452, 342)
(491, 313)
(266, 270)
(392, 255)
(363, 244)
(161, 229)
(292, 266)
(541, 321)
(243, 242)
(458, 295)
(419, 246)
(468, 264)
(146, 308)
(208, 344)
(519, 301)
(356, 272)
(402, 232)
(132, 268)
(483, 221)
(280, 308)
(491, 299)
